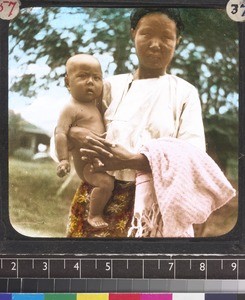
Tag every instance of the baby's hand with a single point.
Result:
(63, 168)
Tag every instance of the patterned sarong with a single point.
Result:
(118, 212)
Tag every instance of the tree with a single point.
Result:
(207, 57)
(14, 131)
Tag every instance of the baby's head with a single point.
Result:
(84, 77)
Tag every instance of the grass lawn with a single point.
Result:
(34, 207)
(36, 210)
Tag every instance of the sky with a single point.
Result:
(43, 110)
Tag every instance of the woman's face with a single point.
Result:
(155, 40)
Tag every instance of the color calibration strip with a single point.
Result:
(177, 296)
(12, 285)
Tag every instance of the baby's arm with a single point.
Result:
(65, 121)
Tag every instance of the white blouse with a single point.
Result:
(140, 110)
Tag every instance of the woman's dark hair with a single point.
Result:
(172, 13)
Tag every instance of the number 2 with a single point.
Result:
(13, 266)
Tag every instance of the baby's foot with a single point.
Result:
(97, 222)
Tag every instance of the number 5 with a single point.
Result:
(107, 266)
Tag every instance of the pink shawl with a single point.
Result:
(184, 188)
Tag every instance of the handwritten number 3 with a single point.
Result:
(235, 9)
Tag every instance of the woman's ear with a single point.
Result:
(67, 82)
(179, 39)
(132, 32)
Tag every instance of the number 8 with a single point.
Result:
(202, 266)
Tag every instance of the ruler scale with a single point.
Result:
(128, 268)
(72, 274)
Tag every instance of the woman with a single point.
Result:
(149, 104)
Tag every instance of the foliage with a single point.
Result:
(221, 137)
(207, 56)
(14, 131)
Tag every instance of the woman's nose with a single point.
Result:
(155, 44)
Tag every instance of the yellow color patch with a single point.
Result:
(93, 296)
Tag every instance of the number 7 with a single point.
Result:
(243, 14)
(171, 264)
(13, 5)
(10, 3)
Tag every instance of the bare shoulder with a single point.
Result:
(67, 116)
(69, 109)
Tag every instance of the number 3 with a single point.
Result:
(45, 266)
(235, 8)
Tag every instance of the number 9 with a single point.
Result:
(234, 266)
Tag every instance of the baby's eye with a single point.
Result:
(97, 78)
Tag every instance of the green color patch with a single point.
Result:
(60, 297)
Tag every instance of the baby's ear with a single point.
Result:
(67, 82)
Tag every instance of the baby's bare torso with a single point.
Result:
(85, 115)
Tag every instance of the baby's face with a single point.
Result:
(85, 80)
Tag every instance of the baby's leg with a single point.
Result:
(101, 193)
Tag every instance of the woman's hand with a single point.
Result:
(85, 138)
(120, 158)
(117, 158)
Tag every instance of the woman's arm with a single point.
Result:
(119, 159)
(113, 157)
(83, 137)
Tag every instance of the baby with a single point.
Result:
(84, 81)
